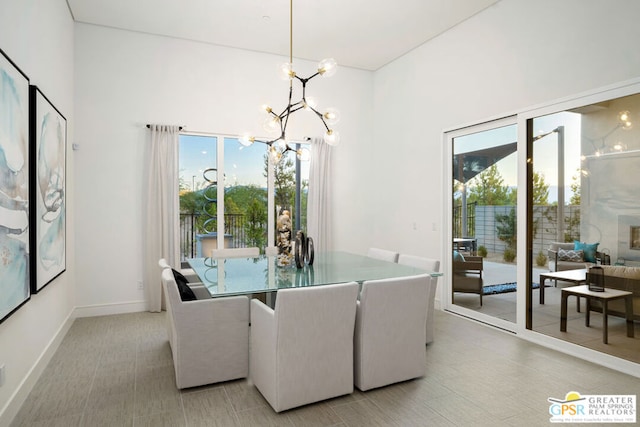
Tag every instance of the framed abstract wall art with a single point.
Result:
(48, 196)
(14, 188)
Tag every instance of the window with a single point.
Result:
(224, 191)
(245, 195)
(198, 192)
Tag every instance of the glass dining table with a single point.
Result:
(241, 276)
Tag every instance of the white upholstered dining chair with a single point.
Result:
(209, 338)
(235, 253)
(390, 329)
(192, 280)
(188, 273)
(383, 254)
(431, 265)
(302, 351)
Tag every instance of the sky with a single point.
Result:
(243, 165)
(545, 149)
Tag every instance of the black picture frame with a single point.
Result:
(15, 267)
(48, 160)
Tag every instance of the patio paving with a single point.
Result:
(497, 273)
(546, 318)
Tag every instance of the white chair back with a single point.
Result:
(383, 254)
(427, 264)
(390, 329)
(302, 351)
(271, 250)
(235, 253)
(209, 338)
(430, 265)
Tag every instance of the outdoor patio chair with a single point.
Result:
(467, 276)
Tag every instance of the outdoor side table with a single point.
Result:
(604, 298)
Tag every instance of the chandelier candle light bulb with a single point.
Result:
(625, 120)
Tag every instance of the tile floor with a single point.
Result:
(117, 371)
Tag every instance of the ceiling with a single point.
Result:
(365, 34)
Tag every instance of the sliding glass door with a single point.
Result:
(590, 156)
(482, 267)
(535, 204)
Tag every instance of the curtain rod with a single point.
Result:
(179, 127)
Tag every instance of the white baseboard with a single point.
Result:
(108, 309)
(11, 409)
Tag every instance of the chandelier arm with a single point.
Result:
(309, 78)
(274, 114)
(285, 122)
(287, 111)
(284, 113)
(319, 114)
(304, 89)
(297, 108)
(618, 126)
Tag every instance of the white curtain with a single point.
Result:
(319, 218)
(161, 231)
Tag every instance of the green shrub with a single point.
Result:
(541, 259)
(482, 251)
(509, 255)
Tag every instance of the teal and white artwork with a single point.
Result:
(14, 188)
(49, 130)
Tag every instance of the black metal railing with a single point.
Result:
(190, 228)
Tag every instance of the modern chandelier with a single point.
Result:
(277, 122)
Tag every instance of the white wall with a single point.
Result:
(38, 37)
(513, 55)
(125, 80)
(389, 168)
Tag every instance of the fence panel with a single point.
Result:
(546, 226)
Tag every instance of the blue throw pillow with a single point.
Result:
(589, 250)
(457, 256)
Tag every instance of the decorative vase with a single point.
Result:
(304, 251)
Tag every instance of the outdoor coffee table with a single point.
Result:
(578, 276)
(604, 298)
